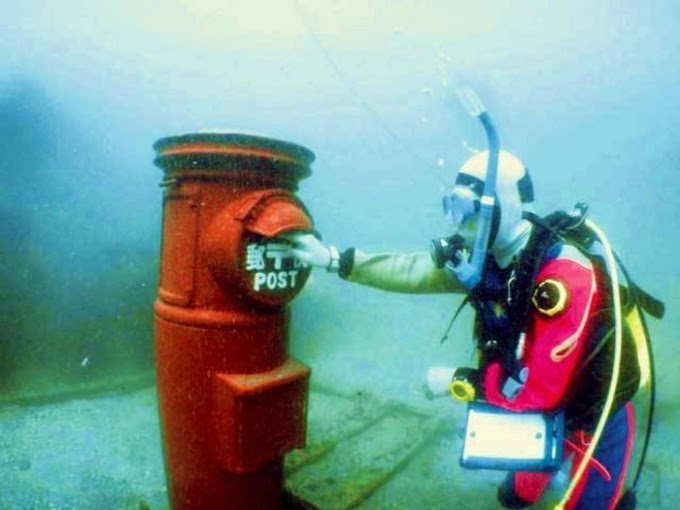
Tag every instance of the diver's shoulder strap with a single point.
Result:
(569, 225)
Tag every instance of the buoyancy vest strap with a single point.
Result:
(526, 273)
(653, 306)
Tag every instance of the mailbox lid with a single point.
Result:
(278, 216)
(238, 156)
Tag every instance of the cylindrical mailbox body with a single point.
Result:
(231, 400)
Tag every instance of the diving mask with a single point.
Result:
(460, 209)
(460, 206)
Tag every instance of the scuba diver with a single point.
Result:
(557, 335)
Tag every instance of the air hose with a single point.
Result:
(618, 344)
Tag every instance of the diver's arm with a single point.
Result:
(411, 273)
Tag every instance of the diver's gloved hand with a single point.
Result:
(437, 381)
(463, 270)
(309, 250)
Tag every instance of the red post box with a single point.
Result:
(231, 400)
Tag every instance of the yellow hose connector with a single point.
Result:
(462, 390)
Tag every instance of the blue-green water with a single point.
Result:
(585, 94)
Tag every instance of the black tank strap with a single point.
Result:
(525, 275)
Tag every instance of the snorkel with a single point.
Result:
(475, 266)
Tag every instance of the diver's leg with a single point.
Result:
(613, 452)
(521, 489)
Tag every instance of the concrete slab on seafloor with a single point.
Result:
(363, 452)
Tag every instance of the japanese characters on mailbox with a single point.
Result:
(272, 266)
